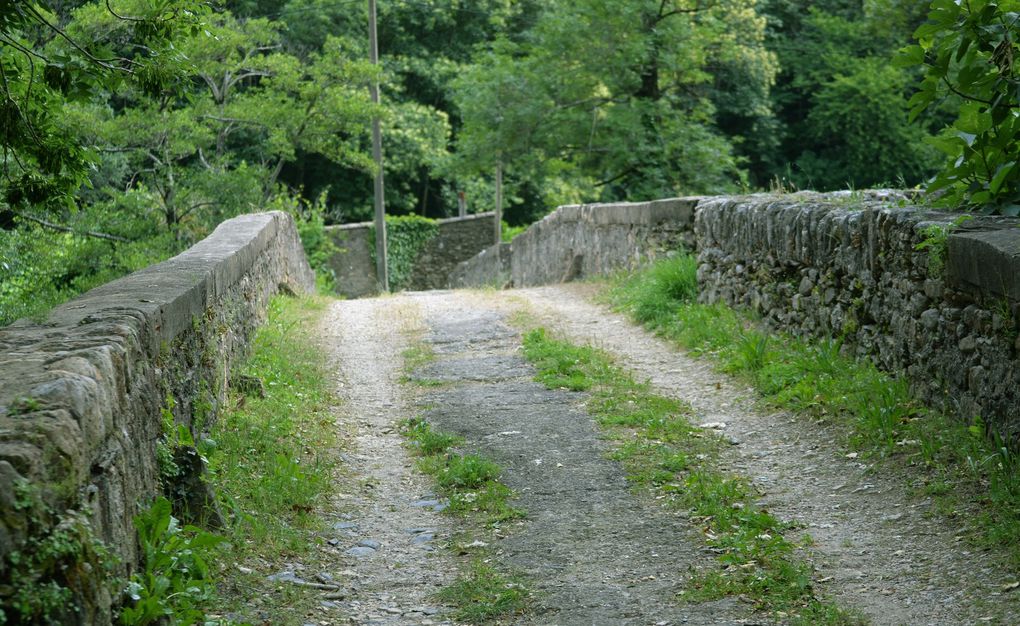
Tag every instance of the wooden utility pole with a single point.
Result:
(499, 201)
(381, 272)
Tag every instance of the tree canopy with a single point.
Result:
(130, 128)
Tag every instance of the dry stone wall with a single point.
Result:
(849, 266)
(84, 393)
(843, 265)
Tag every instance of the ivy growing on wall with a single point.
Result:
(406, 237)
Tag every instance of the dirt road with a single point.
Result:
(592, 550)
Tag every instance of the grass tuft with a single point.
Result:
(273, 455)
(469, 481)
(482, 593)
(271, 458)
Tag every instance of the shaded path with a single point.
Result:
(385, 540)
(592, 550)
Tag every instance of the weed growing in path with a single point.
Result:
(664, 452)
(961, 464)
(469, 481)
(471, 484)
(482, 593)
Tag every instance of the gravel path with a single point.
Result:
(876, 546)
(386, 536)
(593, 551)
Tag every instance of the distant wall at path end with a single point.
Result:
(459, 239)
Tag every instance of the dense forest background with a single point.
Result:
(131, 128)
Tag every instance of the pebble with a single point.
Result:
(422, 538)
(284, 577)
(345, 525)
(370, 543)
(418, 531)
(360, 551)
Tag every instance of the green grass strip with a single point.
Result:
(664, 451)
(472, 487)
(483, 594)
(961, 465)
(274, 454)
(470, 482)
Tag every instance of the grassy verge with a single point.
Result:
(471, 485)
(961, 467)
(272, 462)
(660, 449)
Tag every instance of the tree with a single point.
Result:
(612, 100)
(841, 108)
(215, 146)
(969, 51)
(43, 68)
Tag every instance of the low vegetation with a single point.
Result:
(661, 450)
(957, 463)
(470, 483)
(272, 456)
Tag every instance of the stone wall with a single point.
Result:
(849, 267)
(843, 265)
(459, 239)
(84, 392)
(586, 240)
(353, 264)
(489, 268)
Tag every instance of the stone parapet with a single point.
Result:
(916, 291)
(458, 239)
(85, 392)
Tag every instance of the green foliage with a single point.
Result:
(406, 237)
(61, 560)
(426, 441)
(559, 368)
(508, 232)
(483, 594)
(467, 472)
(968, 50)
(657, 293)
(841, 112)
(42, 70)
(936, 241)
(41, 268)
(605, 100)
(174, 584)
(273, 458)
(469, 481)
